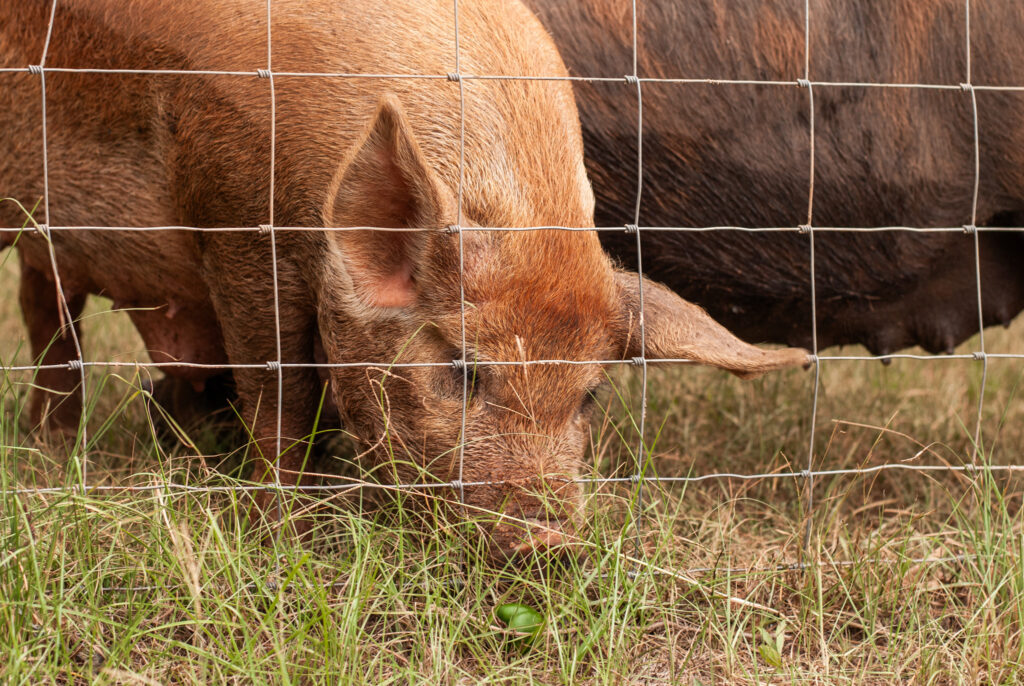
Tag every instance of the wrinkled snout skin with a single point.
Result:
(185, 150)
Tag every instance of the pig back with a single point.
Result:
(144, 149)
(738, 154)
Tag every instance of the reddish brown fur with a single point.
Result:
(192, 150)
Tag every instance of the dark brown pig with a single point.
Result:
(738, 155)
(127, 149)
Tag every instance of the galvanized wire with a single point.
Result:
(809, 229)
(260, 73)
(351, 484)
(68, 319)
(641, 451)
(271, 365)
(462, 253)
(968, 87)
(275, 364)
(631, 228)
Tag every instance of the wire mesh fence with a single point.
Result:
(459, 78)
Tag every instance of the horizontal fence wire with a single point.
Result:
(630, 79)
(265, 229)
(466, 365)
(970, 469)
(635, 362)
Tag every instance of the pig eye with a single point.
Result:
(472, 378)
(590, 396)
(589, 400)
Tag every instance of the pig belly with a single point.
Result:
(189, 334)
(155, 277)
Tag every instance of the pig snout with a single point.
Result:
(547, 530)
(522, 537)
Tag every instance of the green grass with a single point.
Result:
(386, 594)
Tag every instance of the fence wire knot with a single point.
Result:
(966, 87)
(454, 76)
(638, 361)
(803, 83)
(274, 366)
(979, 356)
(263, 73)
(804, 228)
(970, 229)
(35, 69)
(75, 365)
(456, 484)
(453, 229)
(43, 229)
(635, 478)
(632, 228)
(632, 79)
(459, 365)
(812, 359)
(805, 473)
(265, 229)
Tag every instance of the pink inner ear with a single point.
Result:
(392, 290)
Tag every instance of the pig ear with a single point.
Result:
(675, 328)
(386, 182)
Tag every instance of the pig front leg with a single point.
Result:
(241, 287)
(55, 403)
(258, 393)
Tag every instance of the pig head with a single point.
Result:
(524, 298)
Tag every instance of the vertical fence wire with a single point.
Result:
(641, 452)
(457, 77)
(809, 226)
(66, 315)
(274, 365)
(981, 355)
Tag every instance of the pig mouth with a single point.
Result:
(532, 538)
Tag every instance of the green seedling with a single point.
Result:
(771, 646)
